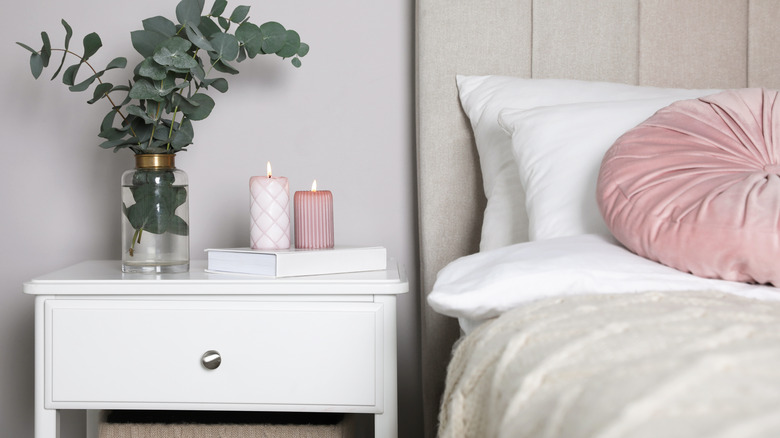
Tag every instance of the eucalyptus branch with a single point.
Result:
(94, 72)
(174, 57)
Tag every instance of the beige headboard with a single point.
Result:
(674, 43)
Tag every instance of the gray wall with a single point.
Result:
(345, 118)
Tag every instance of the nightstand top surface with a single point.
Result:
(105, 277)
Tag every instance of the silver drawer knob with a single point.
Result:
(211, 359)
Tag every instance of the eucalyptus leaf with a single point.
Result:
(100, 92)
(239, 14)
(198, 73)
(296, 62)
(196, 36)
(161, 134)
(291, 43)
(68, 35)
(218, 8)
(145, 41)
(175, 44)
(27, 47)
(169, 85)
(36, 64)
(303, 49)
(107, 125)
(224, 23)
(220, 84)
(92, 44)
(177, 225)
(156, 200)
(69, 76)
(46, 49)
(189, 12)
(160, 25)
(144, 213)
(113, 134)
(274, 37)
(119, 62)
(225, 47)
(183, 135)
(173, 55)
(196, 107)
(114, 143)
(143, 89)
(139, 112)
(152, 70)
(180, 196)
(83, 85)
(143, 132)
(250, 36)
(224, 67)
(208, 27)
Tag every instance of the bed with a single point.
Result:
(698, 46)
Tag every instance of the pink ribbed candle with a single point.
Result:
(313, 219)
(269, 212)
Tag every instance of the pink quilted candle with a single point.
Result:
(269, 212)
(313, 218)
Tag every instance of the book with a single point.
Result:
(296, 262)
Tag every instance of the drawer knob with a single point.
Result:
(211, 360)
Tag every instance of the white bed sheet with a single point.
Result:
(484, 285)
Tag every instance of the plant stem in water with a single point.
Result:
(136, 238)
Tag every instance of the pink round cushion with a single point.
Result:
(696, 186)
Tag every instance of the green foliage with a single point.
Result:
(156, 200)
(168, 89)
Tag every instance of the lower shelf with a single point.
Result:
(205, 424)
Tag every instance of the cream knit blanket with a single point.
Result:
(649, 365)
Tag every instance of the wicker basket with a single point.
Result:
(120, 424)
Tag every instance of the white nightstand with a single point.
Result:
(108, 340)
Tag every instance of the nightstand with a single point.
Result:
(105, 340)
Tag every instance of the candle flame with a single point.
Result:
(268, 169)
(314, 186)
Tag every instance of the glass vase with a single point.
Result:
(155, 216)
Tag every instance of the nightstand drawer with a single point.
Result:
(295, 354)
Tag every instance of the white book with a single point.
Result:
(296, 262)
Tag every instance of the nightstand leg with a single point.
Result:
(94, 418)
(47, 421)
(386, 424)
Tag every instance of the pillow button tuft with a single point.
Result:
(772, 168)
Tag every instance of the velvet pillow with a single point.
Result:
(696, 186)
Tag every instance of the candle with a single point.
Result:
(269, 211)
(313, 218)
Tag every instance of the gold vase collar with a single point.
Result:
(154, 161)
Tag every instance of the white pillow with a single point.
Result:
(558, 151)
(483, 97)
(484, 285)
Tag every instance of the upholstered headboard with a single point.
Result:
(671, 43)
